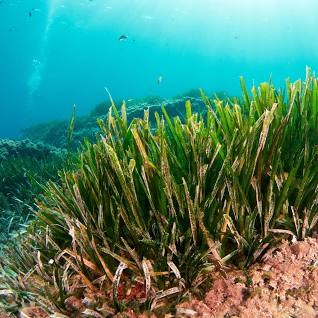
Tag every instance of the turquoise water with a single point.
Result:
(56, 53)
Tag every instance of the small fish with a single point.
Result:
(159, 80)
(33, 10)
(123, 37)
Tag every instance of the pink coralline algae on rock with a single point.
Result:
(284, 284)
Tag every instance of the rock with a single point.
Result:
(33, 312)
(73, 304)
(20, 148)
(284, 285)
(299, 248)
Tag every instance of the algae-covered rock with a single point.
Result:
(55, 133)
(23, 165)
(10, 149)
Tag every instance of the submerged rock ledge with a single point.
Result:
(284, 284)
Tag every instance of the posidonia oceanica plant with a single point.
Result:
(153, 210)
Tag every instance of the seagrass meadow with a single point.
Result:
(154, 209)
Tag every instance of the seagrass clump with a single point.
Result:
(153, 210)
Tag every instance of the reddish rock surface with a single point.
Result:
(284, 284)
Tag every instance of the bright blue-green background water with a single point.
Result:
(68, 50)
